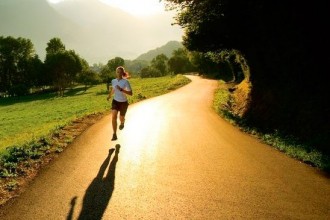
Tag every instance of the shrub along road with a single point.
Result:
(176, 158)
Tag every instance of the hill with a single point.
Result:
(166, 49)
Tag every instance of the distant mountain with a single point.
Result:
(95, 30)
(167, 49)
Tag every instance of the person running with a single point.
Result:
(120, 88)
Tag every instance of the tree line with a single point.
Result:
(185, 61)
(22, 71)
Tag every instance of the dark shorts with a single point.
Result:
(120, 106)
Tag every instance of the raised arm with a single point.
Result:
(127, 92)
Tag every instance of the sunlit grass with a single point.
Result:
(32, 117)
(221, 98)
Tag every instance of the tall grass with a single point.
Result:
(31, 117)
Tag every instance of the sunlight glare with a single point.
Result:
(55, 1)
(143, 131)
(139, 8)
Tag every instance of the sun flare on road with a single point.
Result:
(142, 131)
(140, 8)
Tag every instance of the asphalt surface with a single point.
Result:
(175, 159)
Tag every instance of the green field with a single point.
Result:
(31, 117)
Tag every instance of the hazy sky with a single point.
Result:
(96, 29)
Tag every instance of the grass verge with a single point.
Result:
(33, 117)
(284, 143)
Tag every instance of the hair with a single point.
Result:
(125, 74)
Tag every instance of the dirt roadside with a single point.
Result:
(11, 187)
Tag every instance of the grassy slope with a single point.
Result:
(287, 144)
(35, 116)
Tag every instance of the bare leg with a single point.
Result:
(114, 120)
(122, 119)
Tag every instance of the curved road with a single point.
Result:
(175, 159)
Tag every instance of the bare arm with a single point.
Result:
(110, 93)
(125, 91)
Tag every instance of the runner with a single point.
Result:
(120, 88)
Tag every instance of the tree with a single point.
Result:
(63, 66)
(149, 72)
(88, 77)
(179, 62)
(160, 63)
(106, 76)
(204, 64)
(115, 62)
(284, 44)
(35, 72)
(55, 45)
(16, 55)
(231, 65)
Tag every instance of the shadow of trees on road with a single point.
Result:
(99, 192)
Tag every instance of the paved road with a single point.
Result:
(175, 159)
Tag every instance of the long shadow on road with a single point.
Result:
(99, 192)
